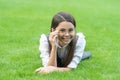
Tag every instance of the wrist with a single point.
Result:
(54, 47)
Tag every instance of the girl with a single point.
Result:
(62, 49)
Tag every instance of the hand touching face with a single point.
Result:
(52, 37)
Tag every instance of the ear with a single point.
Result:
(53, 29)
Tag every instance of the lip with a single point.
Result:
(66, 39)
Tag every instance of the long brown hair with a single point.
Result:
(70, 53)
(58, 18)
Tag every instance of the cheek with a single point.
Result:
(73, 34)
(60, 36)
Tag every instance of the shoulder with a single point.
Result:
(43, 42)
(80, 35)
(81, 42)
(43, 37)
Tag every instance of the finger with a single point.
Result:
(44, 71)
(55, 37)
(37, 70)
(54, 33)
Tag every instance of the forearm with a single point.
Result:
(49, 69)
(62, 69)
(53, 58)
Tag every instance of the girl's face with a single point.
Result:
(66, 32)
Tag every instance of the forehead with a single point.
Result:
(65, 25)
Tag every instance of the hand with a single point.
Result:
(52, 37)
(47, 69)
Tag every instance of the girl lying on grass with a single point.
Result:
(63, 48)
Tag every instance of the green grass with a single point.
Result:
(23, 21)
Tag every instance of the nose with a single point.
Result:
(67, 33)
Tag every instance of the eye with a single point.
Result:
(62, 30)
(70, 30)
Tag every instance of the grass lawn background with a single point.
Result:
(23, 21)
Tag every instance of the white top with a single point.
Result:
(78, 53)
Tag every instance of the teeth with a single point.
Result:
(66, 39)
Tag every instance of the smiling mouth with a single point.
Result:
(66, 40)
